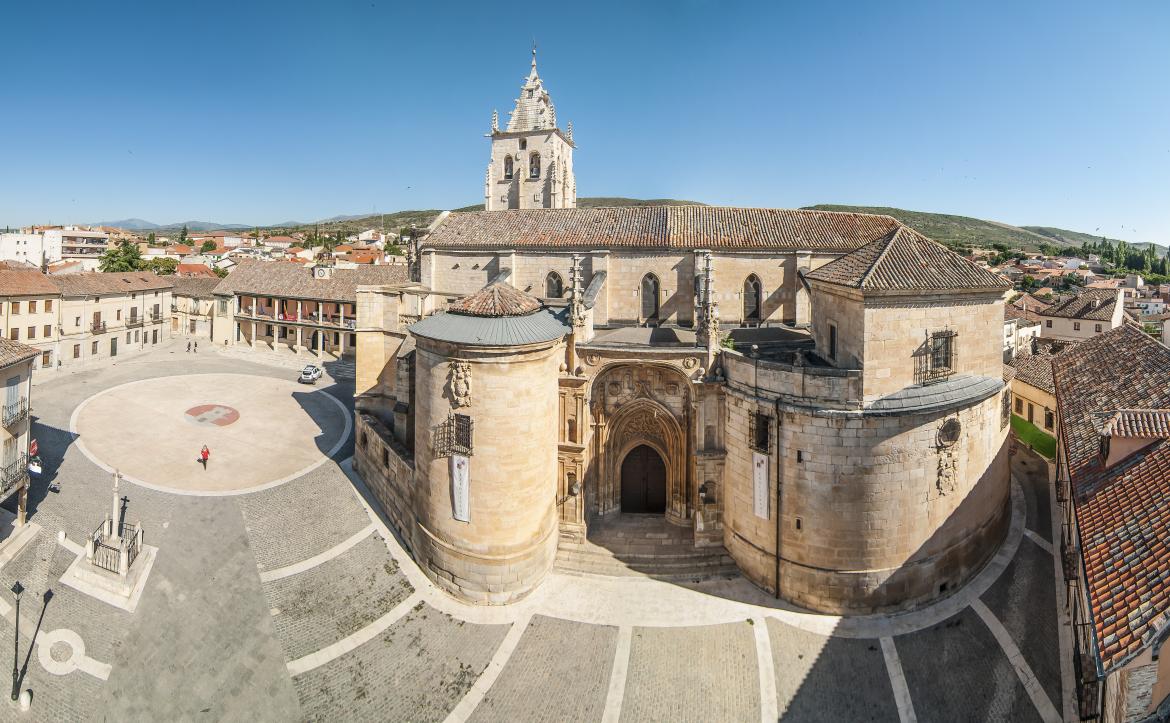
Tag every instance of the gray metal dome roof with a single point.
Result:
(540, 326)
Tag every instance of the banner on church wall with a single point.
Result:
(460, 487)
(760, 483)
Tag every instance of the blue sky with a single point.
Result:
(1054, 113)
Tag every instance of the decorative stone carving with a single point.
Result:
(948, 472)
(592, 359)
(949, 432)
(460, 384)
(690, 362)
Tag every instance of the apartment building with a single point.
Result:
(80, 244)
(29, 248)
(16, 365)
(29, 304)
(110, 315)
(193, 305)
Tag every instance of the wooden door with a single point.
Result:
(643, 482)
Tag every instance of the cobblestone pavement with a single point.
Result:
(295, 603)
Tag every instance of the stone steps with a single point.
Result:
(668, 562)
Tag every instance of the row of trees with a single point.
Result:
(1127, 257)
(125, 256)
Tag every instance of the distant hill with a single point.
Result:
(1076, 238)
(959, 230)
(130, 224)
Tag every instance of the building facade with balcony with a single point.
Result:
(193, 306)
(79, 245)
(110, 315)
(29, 305)
(16, 365)
(289, 308)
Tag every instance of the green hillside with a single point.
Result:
(1063, 236)
(959, 231)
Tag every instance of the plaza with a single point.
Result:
(279, 593)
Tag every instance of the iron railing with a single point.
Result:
(98, 327)
(15, 412)
(105, 556)
(936, 359)
(13, 473)
(133, 543)
(134, 321)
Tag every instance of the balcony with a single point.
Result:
(134, 321)
(15, 413)
(154, 318)
(98, 327)
(13, 473)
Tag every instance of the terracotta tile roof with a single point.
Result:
(660, 227)
(1093, 304)
(195, 270)
(1025, 307)
(1122, 511)
(906, 260)
(25, 283)
(294, 280)
(1137, 423)
(495, 300)
(89, 283)
(199, 287)
(12, 352)
(1035, 369)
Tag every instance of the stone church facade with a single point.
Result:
(821, 394)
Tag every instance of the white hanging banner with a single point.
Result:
(460, 487)
(760, 484)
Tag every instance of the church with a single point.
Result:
(819, 396)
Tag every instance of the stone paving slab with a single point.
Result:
(956, 671)
(558, 672)
(302, 518)
(704, 673)
(819, 678)
(417, 670)
(1026, 585)
(320, 606)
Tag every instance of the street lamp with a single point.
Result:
(17, 589)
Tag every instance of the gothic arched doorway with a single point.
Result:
(643, 481)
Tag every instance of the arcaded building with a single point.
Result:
(818, 395)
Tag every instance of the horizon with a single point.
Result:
(995, 113)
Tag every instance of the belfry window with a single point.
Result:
(649, 297)
(507, 168)
(534, 165)
(554, 287)
(751, 299)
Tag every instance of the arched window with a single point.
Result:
(752, 298)
(508, 168)
(649, 297)
(534, 165)
(554, 288)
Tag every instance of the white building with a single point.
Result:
(79, 245)
(1092, 312)
(31, 248)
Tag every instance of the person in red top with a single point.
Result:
(203, 455)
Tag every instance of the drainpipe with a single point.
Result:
(776, 401)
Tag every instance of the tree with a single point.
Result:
(207, 246)
(1028, 282)
(220, 272)
(162, 267)
(150, 238)
(122, 257)
(183, 235)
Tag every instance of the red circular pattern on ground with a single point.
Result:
(220, 415)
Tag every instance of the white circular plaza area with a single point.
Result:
(260, 431)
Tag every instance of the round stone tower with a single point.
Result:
(485, 434)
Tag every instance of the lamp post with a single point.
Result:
(17, 589)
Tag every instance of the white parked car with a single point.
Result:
(310, 374)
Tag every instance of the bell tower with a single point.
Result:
(532, 158)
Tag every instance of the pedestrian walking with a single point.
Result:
(203, 455)
(196, 347)
(188, 347)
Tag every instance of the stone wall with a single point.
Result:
(388, 470)
(509, 544)
(874, 513)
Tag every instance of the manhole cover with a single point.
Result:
(61, 651)
(219, 415)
